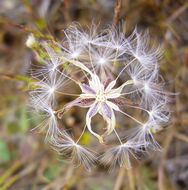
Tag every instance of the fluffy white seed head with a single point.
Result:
(115, 73)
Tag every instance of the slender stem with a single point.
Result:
(131, 179)
(85, 74)
(123, 85)
(66, 76)
(118, 137)
(74, 60)
(131, 92)
(125, 68)
(131, 117)
(91, 60)
(81, 134)
(69, 94)
(137, 107)
(78, 64)
(128, 82)
(119, 179)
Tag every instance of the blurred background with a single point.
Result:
(26, 162)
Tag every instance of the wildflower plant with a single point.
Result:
(119, 79)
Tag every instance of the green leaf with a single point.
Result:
(24, 122)
(5, 155)
(13, 127)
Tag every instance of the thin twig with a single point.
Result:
(10, 171)
(119, 179)
(181, 137)
(163, 156)
(66, 10)
(117, 12)
(131, 179)
(177, 13)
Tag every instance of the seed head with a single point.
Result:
(115, 73)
